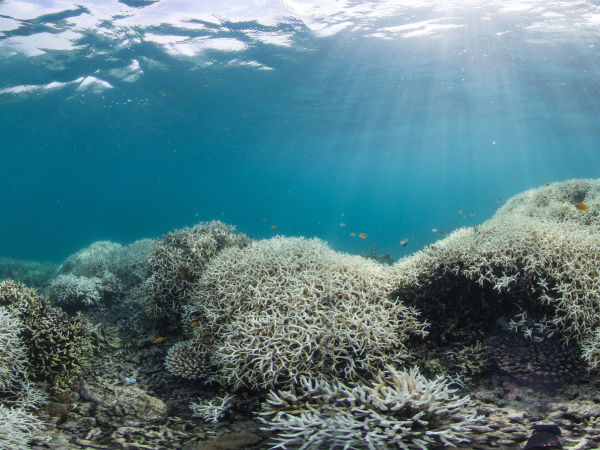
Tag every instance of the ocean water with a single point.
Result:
(124, 120)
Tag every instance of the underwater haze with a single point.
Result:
(362, 123)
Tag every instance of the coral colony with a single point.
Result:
(332, 337)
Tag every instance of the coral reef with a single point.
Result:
(128, 263)
(30, 273)
(178, 260)
(285, 307)
(91, 261)
(399, 409)
(17, 428)
(58, 346)
(212, 410)
(13, 356)
(78, 292)
(539, 253)
(522, 352)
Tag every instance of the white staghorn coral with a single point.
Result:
(286, 307)
(17, 427)
(398, 409)
(13, 357)
(212, 410)
(539, 252)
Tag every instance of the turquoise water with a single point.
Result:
(123, 120)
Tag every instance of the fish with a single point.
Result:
(472, 213)
(442, 233)
(582, 206)
(578, 185)
(362, 235)
(264, 219)
(158, 340)
(546, 184)
(403, 242)
(342, 224)
(555, 169)
(499, 200)
(273, 227)
(194, 324)
(435, 230)
(352, 233)
(459, 212)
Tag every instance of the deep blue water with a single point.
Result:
(389, 121)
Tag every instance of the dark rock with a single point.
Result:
(56, 409)
(230, 441)
(129, 401)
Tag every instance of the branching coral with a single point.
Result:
(212, 410)
(13, 357)
(538, 252)
(14, 384)
(17, 427)
(286, 307)
(76, 292)
(91, 261)
(58, 346)
(127, 263)
(178, 260)
(398, 409)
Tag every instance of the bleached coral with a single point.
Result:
(128, 263)
(188, 359)
(17, 427)
(590, 347)
(178, 260)
(398, 409)
(538, 252)
(13, 357)
(71, 291)
(14, 383)
(91, 261)
(212, 410)
(286, 307)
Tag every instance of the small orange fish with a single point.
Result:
(578, 185)
(194, 324)
(362, 235)
(555, 169)
(582, 206)
(158, 340)
(273, 227)
(459, 212)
